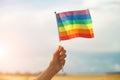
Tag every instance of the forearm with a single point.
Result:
(47, 74)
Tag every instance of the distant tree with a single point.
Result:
(17, 73)
(1, 73)
(27, 73)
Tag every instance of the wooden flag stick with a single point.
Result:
(59, 37)
(57, 28)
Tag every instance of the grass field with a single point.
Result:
(67, 77)
(88, 77)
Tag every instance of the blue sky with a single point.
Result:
(28, 36)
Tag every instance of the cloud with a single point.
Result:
(26, 33)
(117, 67)
(32, 28)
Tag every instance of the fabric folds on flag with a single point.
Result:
(73, 24)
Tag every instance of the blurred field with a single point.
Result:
(67, 77)
(88, 77)
(4, 77)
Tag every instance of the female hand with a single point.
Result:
(58, 59)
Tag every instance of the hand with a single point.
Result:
(56, 64)
(58, 59)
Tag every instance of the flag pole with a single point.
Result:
(58, 29)
(59, 38)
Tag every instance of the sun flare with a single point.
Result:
(3, 53)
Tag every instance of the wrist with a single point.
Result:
(52, 70)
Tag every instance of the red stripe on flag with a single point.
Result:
(76, 35)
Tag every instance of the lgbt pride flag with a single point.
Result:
(73, 24)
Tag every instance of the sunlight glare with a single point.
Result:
(3, 52)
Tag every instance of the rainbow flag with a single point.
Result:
(73, 24)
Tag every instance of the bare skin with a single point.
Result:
(56, 64)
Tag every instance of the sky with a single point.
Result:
(29, 36)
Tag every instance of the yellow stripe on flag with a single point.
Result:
(75, 26)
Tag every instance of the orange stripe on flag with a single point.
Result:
(76, 31)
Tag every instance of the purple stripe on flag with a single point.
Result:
(69, 13)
